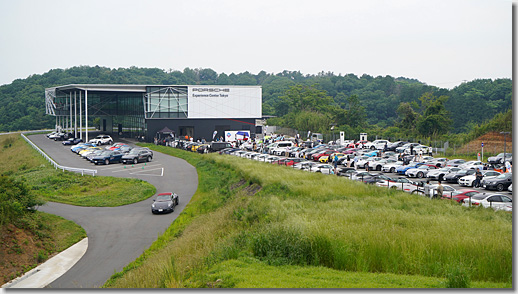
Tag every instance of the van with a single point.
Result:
(279, 148)
(217, 146)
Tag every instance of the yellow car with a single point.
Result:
(87, 150)
(324, 159)
(339, 155)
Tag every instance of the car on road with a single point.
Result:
(137, 155)
(495, 201)
(499, 183)
(72, 141)
(102, 140)
(106, 157)
(164, 203)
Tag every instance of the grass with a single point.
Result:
(23, 162)
(300, 221)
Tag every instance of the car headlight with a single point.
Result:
(153, 205)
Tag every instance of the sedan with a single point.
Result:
(107, 157)
(499, 183)
(439, 173)
(454, 177)
(495, 201)
(164, 202)
(322, 168)
(460, 195)
(72, 141)
(469, 180)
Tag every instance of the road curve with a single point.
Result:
(117, 235)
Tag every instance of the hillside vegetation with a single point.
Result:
(22, 103)
(253, 225)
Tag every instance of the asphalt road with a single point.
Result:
(118, 235)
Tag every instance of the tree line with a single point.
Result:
(350, 101)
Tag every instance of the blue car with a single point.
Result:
(402, 169)
(371, 153)
(108, 157)
(81, 146)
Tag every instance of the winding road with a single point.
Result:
(117, 235)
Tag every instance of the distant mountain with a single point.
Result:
(22, 103)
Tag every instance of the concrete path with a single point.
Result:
(118, 235)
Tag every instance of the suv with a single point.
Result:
(377, 144)
(137, 155)
(217, 146)
(280, 148)
(102, 140)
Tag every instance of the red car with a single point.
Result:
(116, 146)
(461, 194)
(351, 151)
(317, 156)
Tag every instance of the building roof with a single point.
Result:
(127, 88)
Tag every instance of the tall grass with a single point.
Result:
(305, 219)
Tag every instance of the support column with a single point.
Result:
(75, 114)
(86, 115)
(70, 118)
(80, 117)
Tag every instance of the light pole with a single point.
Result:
(333, 130)
(505, 137)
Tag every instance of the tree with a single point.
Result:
(435, 119)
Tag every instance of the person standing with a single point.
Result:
(367, 166)
(478, 178)
(430, 151)
(440, 190)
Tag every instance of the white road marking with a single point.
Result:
(140, 173)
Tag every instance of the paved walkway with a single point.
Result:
(118, 235)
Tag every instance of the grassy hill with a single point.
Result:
(253, 225)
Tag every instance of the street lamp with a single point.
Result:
(505, 137)
(333, 130)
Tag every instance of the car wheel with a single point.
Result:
(372, 147)
(106, 161)
(500, 187)
(378, 168)
(135, 160)
(392, 169)
(420, 175)
(149, 158)
(441, 178)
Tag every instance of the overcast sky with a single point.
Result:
(439, 42)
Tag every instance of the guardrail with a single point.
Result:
(57, 166)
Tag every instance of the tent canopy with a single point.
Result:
(166, 130)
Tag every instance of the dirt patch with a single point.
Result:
(493, 143)
(250, 190)
(19, 251)
(237, 185)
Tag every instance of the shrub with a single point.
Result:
(458, 277)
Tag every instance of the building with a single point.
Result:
(200, 112)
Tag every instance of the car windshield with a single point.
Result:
(502, 176)
(480, 196)
(163, 198)
(106, 153)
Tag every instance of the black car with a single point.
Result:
(164, 202)
(394, 145)
(137, 155)
(72, 141)
(217, 146)
(107, 157)
(500, 183)
(454, 177)
(63, 136)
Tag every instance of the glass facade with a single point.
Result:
(166, 102)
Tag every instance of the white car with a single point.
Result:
(473, 164)
(447, 190)
(304, 165)
(469, 180)
(271, 158)
(364, 159)
(102, 140)
(378, 164)
(377, 144)
(391, 167)
(322, 168)
(495, 201)
(400, 183)
(420, 171)
(280, 148)
(261, 157)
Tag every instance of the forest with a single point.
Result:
(382, 104)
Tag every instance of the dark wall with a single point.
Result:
(201, 128)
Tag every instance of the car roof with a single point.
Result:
(165, 193)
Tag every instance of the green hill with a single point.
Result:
(254, 225)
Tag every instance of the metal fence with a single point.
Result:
(57, 166)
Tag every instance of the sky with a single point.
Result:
(440, 42)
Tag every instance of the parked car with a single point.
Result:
(402, 169)
(400, 183)
(102, 140)
(447, 190)
(405, 147)
(72, 141)
(420, 171)
(500, 183)
(499, 158)
(137, 155)
(391, 167)
(460, 194)
(439, 173)
(107, 157)
(377, 144)
(378, 164)
(164, 202)
(280, 148)
(81, 146)
(472, 164)
(469, 180)
(455, 162)
(454, 177)
(322, 168)
(495, 201)
(439, 162)
(392, 146)
(218, 146)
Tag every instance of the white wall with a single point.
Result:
(224, 102)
